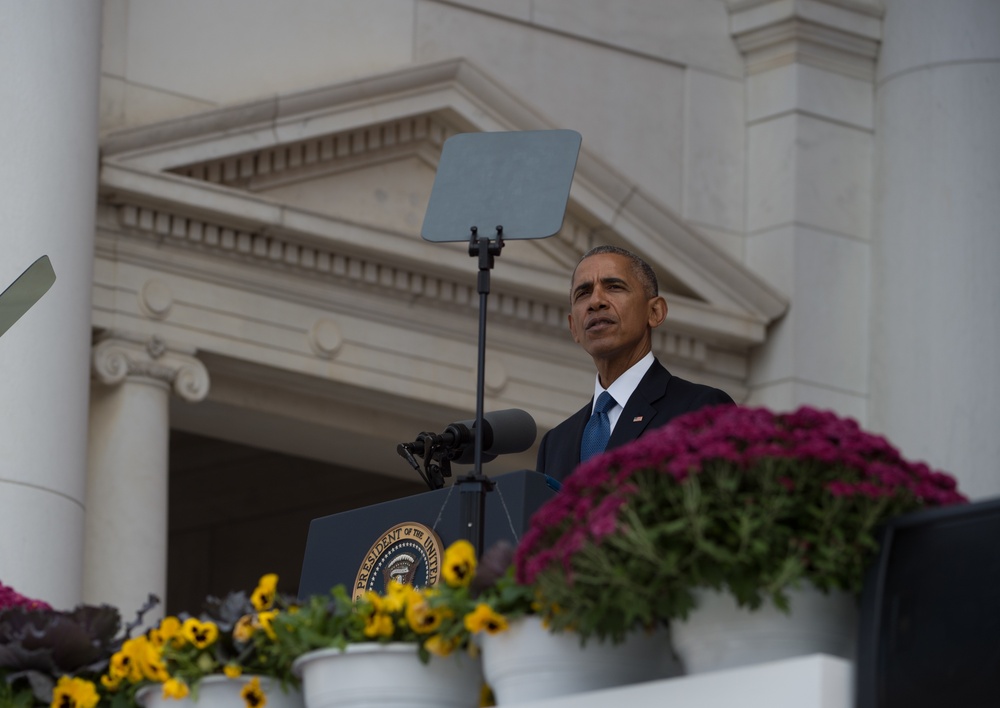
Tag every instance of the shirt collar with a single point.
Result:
(623, 387)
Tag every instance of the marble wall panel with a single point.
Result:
(790, 394)
(714, 152)
(809, 171)
(772, 158)
(936, 331)
(235, 50)
(954, 37)
(804, 88)
(629, 109)
(693, 33)
(824, 339)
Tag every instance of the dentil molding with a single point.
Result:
(120, 356)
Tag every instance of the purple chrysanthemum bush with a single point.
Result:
(9, 597)
(731, 498)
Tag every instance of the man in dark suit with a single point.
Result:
(614, 307)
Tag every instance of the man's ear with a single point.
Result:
(657, 311)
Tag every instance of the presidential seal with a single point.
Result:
(409, 553)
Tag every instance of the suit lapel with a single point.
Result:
(579, 419)
(640, 409)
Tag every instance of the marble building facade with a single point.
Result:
(231, 195)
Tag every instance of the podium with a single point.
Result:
(340, 545)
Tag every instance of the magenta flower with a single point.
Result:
(723, 497)
(9, 597)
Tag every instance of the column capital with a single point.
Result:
(841, 36)
(118, 356)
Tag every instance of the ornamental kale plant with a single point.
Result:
(730, 498)
(53, 657)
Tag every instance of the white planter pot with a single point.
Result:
(221, 692)
(373, 675)
(720, 635)
(527, 662)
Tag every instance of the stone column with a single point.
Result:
(127, 484)
(50, 54)
(810, 120)
(936, 280)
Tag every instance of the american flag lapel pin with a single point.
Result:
(637, 419)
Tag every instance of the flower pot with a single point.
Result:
(527, 662)
(720, 635)
(370, 675)
(221, 692)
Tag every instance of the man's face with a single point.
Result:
(610, 314)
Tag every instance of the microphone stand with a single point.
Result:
(475, 485)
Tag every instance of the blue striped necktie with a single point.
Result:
(598, 430)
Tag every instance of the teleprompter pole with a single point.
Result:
(475, 484)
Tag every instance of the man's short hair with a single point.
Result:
(640, 268)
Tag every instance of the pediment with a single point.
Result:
(345, 172)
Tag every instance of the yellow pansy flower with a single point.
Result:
(459, 564)
(422, 618)
(112, 683)
(175, 688)
(200, 634)
(265, 619)
(244, 628)
(74, 693)
(168, 629)
(484, 619)
(263, 596)
(378, 624)
(396, 596)
(232, 670)
(253, 694)
(440, 646)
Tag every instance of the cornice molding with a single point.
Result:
(119, 356)
(544, 312)
(842, 36)
(519, 297)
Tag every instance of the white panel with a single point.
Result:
(517, 9)
(731, 243)
(789, 395)
(771, 254)
(114, 26)
(232, 50)
(811, 90)
(922, 33)
(690, 32)
(811, 172)
(830, 308)
(936, 333)
(629, 109)
(772, 156)
(833, 177)
(824, 337)
(714, 151)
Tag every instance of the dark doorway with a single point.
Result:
(237, 512)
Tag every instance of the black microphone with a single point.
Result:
(504, 432)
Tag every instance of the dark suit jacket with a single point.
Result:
(657, 399)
